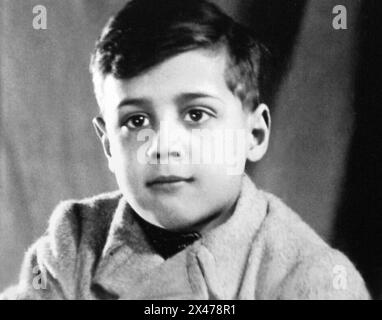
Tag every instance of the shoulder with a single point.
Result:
(74, 226)
(284, 227)
(299, 263)
(74, 221)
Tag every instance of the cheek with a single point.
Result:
(128, 171)
(124, 150)
(222, 151)
(218, 188)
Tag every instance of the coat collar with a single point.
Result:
(228, 246)
(212, 267)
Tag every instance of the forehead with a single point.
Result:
(201, 71)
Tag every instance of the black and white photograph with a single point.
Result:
(190, 150)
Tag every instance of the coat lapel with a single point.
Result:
(225, 250)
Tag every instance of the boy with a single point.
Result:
(179, 87)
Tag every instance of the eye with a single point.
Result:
(197, 116)
(137, 121)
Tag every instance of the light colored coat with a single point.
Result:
(94, 248)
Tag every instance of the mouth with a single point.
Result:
(168, 180)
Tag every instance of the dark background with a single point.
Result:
(324, 158)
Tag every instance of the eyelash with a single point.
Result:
(195, 109)
(203, 112)
(128, 121)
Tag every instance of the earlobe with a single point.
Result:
(259, 126)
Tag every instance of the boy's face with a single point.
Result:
(177, 139)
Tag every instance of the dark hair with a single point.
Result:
(147, 32)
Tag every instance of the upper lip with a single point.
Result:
(168, 179)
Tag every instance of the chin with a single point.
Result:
(175, 221)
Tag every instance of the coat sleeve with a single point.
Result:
(48, 269)
(325, 276)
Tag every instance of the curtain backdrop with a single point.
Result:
(49, 151)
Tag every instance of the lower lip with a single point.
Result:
(169, 186)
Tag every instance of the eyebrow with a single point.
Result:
(194, 95)
(134, 101)
(180, 98)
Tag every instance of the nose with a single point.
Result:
(168, 144)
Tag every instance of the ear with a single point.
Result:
(259, 125)
(100, 129)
